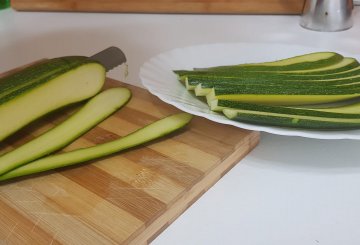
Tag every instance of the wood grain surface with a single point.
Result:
(127, 198)
(165, 6)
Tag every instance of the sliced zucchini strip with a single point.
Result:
(94, 111)
(148, 133)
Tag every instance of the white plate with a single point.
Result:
(157, 76)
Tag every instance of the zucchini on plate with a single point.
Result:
(346, 117)
(293, 92)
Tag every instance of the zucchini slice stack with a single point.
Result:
(313, 91)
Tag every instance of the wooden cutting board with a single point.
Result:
(128, 198)
(165, 6)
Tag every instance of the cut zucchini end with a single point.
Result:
(181, 78)
(181, 118)
(230, 113)
(188, 86)
(215, 107)
(210, 96)
(200, 91)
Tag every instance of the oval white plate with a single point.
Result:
(157, 76)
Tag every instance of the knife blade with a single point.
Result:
(110, 57)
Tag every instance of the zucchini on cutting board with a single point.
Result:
(93, 112)
(45, 87)
(143, 135)
(126, 198)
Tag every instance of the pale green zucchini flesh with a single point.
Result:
(294, 118)
(94, 111)
(148, 133)
(45, 91)
(202, 91)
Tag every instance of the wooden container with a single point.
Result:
(165, 6)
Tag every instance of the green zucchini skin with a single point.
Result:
(33, 76)
(298, 117)
(296, 63)
(210, 82)
(262, 76)
(143, 135)
(41, 88)
(349, 65)
(351, 89)
(292, 122)
(93, 112)
(296, 110)
(207, 78)
(283, 95)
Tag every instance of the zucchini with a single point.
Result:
(45, 87)
(255, 76)
(283, 95)
(193, 79)
(296, 63)
(205, 86)
(150, 132)
(344, 65)
(306, 74)
(34, 75)
(347, 106)
(93, 112)
(346, 117)
(203, 89)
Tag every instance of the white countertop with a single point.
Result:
(289, 190)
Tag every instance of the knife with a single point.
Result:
(110, 57)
